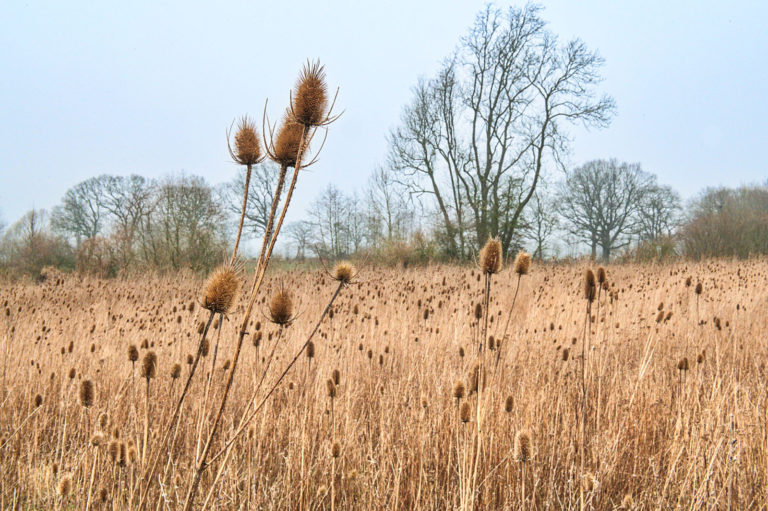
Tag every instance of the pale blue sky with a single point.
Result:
(149, 87)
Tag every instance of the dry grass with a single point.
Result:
(392, 436)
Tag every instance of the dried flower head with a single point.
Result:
(699, 288)
(344, 272)
(522, 446)
(86, 393)
(589, 285)
(310, 97)
(287, 142)
(221, 289)
(247, 145)
(65, 486)
(491, 256)
(464, 412)
(281, 308)
(133, 353)
(601, 275)
(522, 263)
(149, 365)
(458, 389)
(38, 400)
(175, 371)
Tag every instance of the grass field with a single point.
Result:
(671, 404)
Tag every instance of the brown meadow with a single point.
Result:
(404, 402)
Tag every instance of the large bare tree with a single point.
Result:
(600, 203)
(476, 137)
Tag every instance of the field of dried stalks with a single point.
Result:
(672, 404)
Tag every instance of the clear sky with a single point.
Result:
(149, 87)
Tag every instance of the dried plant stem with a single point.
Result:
(201, 465)
(227, 449)
(242, 213)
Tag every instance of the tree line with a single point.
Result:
(479, 152)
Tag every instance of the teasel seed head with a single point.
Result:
(287, 142)
(601, 276)
(682, 365)
(221, 289)
(522, 263)
(65, 486)
(699, 288)
(98, 438)
(344, 272)
(133, 353)
(103, 495)
(509, 404)
(310, 96)
(149, 365)
(523, 446)
(247, 145)
(464, 412)
(38, 400)
(478, 311)
(281, 308)
(336, 450)
(458, 389)
(86, 393)
(103, 420)
(589, 285)
(310, 349)
(336, 375)
(491, 256)
(175, 371)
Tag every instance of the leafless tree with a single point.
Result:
(541, 220)
(659, 213)
(301, 234)
(262, 185)
(389, 214)
(600, 203)
(476, 137)
(81, 213)
(329, 218)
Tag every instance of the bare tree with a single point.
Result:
(301, 234)
(128, 200)
(659, 212)
(263, 180)
(81, 213)
(329, 216)
(541, 220)
(475, 138)
(389, 210)
(600, 203)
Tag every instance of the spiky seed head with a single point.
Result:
(38, 400)
(310, 96)
(522, 263)
(458, 389)
(601, 275)
(331, 387)
(682, 365)
(509, 404)
(65, 486)
(699, 288)
(175, 371)
(523, 446)
(122, 458)
(281, 308)
(103, 495)
(287, 142)
(478, 311)
(344, 272)
(491, 256)
(336, 450)
(149, 365)
(566, 354)
(310, 349)
(86, 393)
(688, 281)
(221, 289)
(464, 412)
(133, 353)
(113, 449)
(98, 438)
(336, 375)
(247, 145)
(589, 285)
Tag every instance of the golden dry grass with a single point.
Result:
(392, 437)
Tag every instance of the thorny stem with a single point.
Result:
(242, 214)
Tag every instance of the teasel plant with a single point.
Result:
(521, 267)
(309, 111)
(590, 292)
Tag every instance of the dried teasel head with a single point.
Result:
(491, 256)
(458, 389)
(344, 272)
(149, 365)
(464, 412)
(281, 308)
(175, 371)
(133, 353)
(522, 446)
(247, 149)
(285, 148)
(699, 288)
(601, 275)
(86, 393)
(221, 289)
(65, 486)
(522, 263)
(38, 401)
(589, 285)
(310, 96)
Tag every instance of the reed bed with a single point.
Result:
(409, 396)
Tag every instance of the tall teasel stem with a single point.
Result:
(589, 295)
(308, 110)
